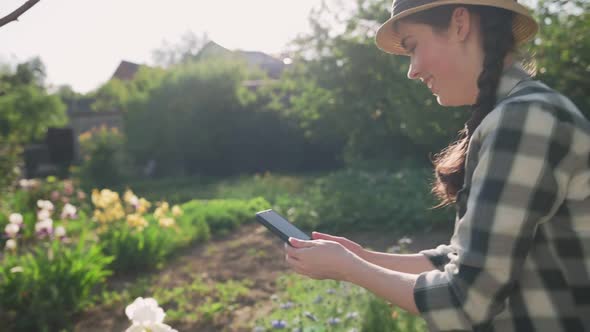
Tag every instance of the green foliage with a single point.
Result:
(327, 305)
(193, 111)
(347, 90)
(43, 290)
(223, 215)
(380, 316)
(177, 190)
(105, 162)
(357, 199)
(138, 250)
(117, 94)
(562, 48)
(27, 110)
(143, 249)
(219, 300)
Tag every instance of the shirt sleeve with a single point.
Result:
(513, 187)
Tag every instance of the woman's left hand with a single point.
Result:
(319, 259)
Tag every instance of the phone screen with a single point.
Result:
(281, 225)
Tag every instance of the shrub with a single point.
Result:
(105, 161)
(357, 199)
(135, 249)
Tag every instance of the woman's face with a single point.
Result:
(447, 67)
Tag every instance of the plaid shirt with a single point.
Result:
(519, 258)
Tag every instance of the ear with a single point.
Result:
(460, 24)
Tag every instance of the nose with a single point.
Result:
(413, 72)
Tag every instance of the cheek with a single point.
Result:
(442, 64)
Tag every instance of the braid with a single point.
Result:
(498, 41)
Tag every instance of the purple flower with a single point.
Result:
(279, 324)
(330, 291)
(333, 320)
(318, 299)
(286, 305)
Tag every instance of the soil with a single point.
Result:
(250, 252)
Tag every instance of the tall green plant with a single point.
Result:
(44, 289)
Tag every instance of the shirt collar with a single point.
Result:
(511, 76)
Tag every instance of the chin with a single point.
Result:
(449, 102)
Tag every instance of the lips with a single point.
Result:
(429, 84)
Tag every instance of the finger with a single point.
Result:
(324, 236)
(318, 235)
(297, 243)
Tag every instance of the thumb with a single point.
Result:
(297, 243)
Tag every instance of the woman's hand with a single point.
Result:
(346, 243)
(319, 259)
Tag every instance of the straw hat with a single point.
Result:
(524, 25)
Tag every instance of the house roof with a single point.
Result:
(126, 70)
(270, 64)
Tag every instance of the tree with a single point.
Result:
(26, 111)
(116, 94)
(562, 48)
(381, 113)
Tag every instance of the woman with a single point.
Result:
(519, 176)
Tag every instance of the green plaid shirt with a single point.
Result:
(519, 258)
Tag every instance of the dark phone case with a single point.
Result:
(273, 229)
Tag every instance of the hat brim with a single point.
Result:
(524, 25)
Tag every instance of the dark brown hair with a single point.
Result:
(497, 42)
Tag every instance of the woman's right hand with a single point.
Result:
(354, 247)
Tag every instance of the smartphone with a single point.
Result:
(280, 226)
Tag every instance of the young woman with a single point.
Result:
(519, 176)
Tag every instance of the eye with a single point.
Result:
(412, 49)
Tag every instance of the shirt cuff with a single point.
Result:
(439, 257)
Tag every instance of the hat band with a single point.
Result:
(403, 5)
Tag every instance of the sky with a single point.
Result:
(81, 42)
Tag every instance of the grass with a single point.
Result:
(182, 189)
(303, 304)
(200, 301)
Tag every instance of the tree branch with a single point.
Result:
(18, 12)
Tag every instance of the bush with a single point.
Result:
(347, 199)
(44, 289)
(105, 161)
(138, 250)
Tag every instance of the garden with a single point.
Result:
(150, 225)
(73, 257)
